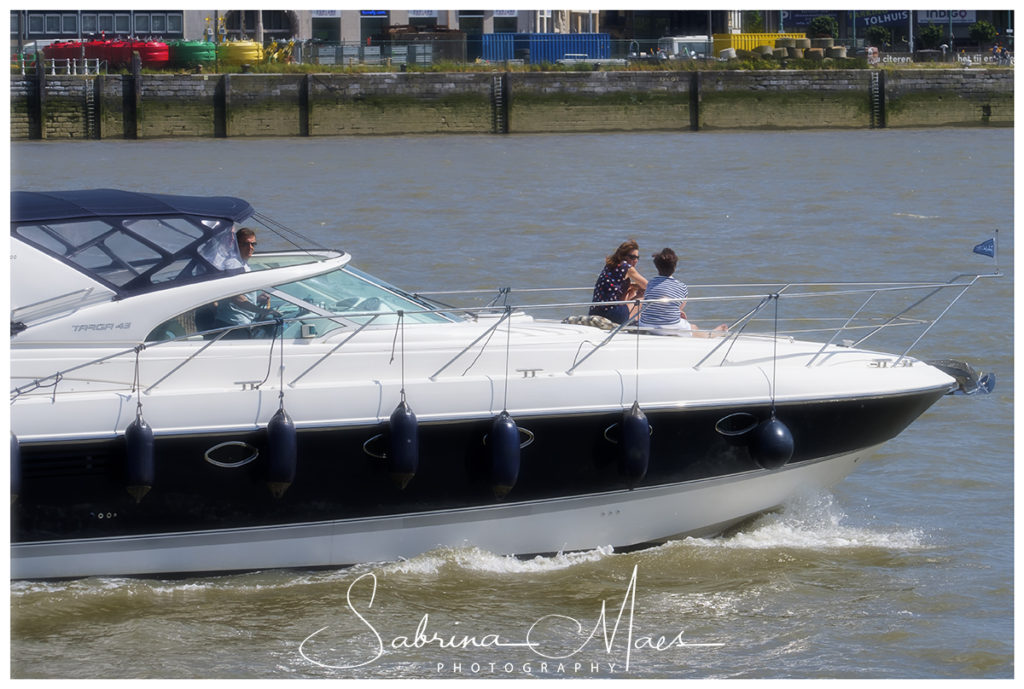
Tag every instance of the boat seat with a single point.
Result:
(205, 317)
(187, 321)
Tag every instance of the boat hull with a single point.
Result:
(619, 518)
(74, 516)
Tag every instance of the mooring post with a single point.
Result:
(695, 86)
(38, 116)
(134, 116)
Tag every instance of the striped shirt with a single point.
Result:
(661, 313)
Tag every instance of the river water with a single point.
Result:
(905, 570)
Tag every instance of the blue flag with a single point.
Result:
(986, 248)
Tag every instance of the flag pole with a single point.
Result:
(997, 251)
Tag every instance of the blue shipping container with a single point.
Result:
(536, 48)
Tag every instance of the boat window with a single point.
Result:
(139, 254)
(97, 247)
(231, 312)
(64, 238)
(265, 261)
(325, 302)
(221, 250)
(357, 297)
(173, 234)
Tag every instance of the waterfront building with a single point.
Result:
(360, 27)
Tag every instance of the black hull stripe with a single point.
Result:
(76, 491)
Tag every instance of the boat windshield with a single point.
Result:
(353, 295)
(314, 305)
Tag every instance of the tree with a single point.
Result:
(931, 37)
(823, 26)
(879, 36)
(753, 22)
(982, 32)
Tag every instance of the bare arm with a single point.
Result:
(637, 278)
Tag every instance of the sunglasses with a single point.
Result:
(634, 257)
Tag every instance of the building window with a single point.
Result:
(471, 21)
(506, 21)
(327, 30)
(65, 24)
(506, 25)
(35, 24)
(373, 24)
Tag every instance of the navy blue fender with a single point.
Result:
(140, 463)
(504, 447)
(403, 445)
(282, 453)
(772, 444)
(636, 445)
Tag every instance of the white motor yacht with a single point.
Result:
(348, 421)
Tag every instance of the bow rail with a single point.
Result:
(875, 309)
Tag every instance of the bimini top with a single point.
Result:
(126, 241)
(37, 206)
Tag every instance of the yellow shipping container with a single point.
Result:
(748, 41)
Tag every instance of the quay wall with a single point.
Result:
(786, 100)
(400, 103)
(962, 97)
(599, 101)
(145, 106)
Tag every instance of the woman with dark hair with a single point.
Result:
(666, 298)
(619, 281)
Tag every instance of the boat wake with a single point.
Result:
(812, 522)
(477, 560)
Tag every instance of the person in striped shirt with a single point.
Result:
(665, 300)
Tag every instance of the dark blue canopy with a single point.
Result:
(129, 241)
(41, 206)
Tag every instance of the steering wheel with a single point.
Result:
(289, 311)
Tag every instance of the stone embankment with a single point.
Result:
(145, 106)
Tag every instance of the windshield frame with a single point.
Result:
(378, 305)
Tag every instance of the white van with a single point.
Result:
(684, 47)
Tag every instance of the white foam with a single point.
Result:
(813, 522)
(483, 561)
(479, 560)
(916, 216)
